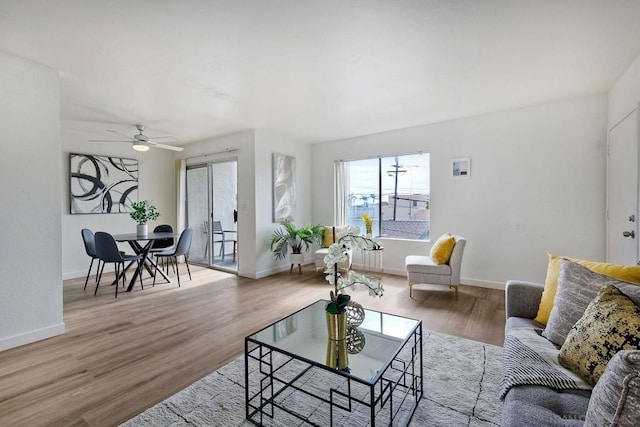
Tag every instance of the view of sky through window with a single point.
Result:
(394, 191)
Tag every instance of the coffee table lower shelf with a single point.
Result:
(284, 389)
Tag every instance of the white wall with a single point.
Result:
(625, 94)
(255, 202)
(537, 185)
(30, 256)
(156, 182)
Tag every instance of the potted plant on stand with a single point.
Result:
(143, 212)
(294, 239)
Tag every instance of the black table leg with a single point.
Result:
(148, 262)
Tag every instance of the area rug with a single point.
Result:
(461, 388)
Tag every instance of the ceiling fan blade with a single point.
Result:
(119, 133)
(166, 147)
(153, 138)
(107, 140)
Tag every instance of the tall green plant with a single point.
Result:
(294, 238)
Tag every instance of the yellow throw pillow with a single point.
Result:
(328, 236)
(628, 273)
(610, 323)
(442, 249)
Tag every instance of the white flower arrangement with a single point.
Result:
(337, 254)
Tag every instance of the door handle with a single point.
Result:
(631, 234)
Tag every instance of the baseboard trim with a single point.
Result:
(463, 281)
(31, 336)
(482, 283)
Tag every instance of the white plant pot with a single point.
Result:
(142, 229)
(296, 258)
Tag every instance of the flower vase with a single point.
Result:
(337, 355)
(337, 325)
(142, 229)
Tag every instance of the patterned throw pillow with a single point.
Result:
(577, 287)
(615, 400)
(611, 323)
(628, 273)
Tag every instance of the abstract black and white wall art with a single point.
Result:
(101, 184)
(284, 187)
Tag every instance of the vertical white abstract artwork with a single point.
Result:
(284, 188)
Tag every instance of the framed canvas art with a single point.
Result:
(101, 184)
(461, 168)
(284, 188)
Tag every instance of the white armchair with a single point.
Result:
(331, 235)
(422, 269)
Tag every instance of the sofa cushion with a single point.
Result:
(610, 323)
(628, 273)
(531, 405)
(577, 287)
(521, 322)
(443, 247)
(616, 398)
(424, 264)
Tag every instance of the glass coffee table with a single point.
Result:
(294, 374)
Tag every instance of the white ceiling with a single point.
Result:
(315, 70)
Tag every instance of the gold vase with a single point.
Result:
(337, 325)
(337, 356)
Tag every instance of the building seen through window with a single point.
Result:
(394, 191)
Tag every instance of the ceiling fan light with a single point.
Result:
(140, 147)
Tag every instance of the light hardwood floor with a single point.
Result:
(121, 356)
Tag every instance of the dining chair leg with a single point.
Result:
(175, 259)
(117, 266)
(155, 272)
(140, 267)
(89, 273)
(99, 277)
(98, 269)
(187, 262)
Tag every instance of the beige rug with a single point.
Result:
(461, 386)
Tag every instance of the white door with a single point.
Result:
(622, 192)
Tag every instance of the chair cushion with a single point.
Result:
(628, 273)
(442, 249)
(611, 323)
(424, 264)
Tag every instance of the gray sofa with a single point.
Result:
(535, 405)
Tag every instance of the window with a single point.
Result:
(394, 191)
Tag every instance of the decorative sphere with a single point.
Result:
(355, 313)
(355, 340)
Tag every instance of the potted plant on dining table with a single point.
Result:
(143, 212)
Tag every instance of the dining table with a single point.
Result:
(142, 245)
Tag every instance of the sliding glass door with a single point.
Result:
(212, 214)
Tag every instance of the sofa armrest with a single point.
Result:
(522, 299)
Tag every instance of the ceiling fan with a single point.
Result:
(140, 141)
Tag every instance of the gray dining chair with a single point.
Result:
(181, 249)
(161, 245)
(90, 248)
(107, 251)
